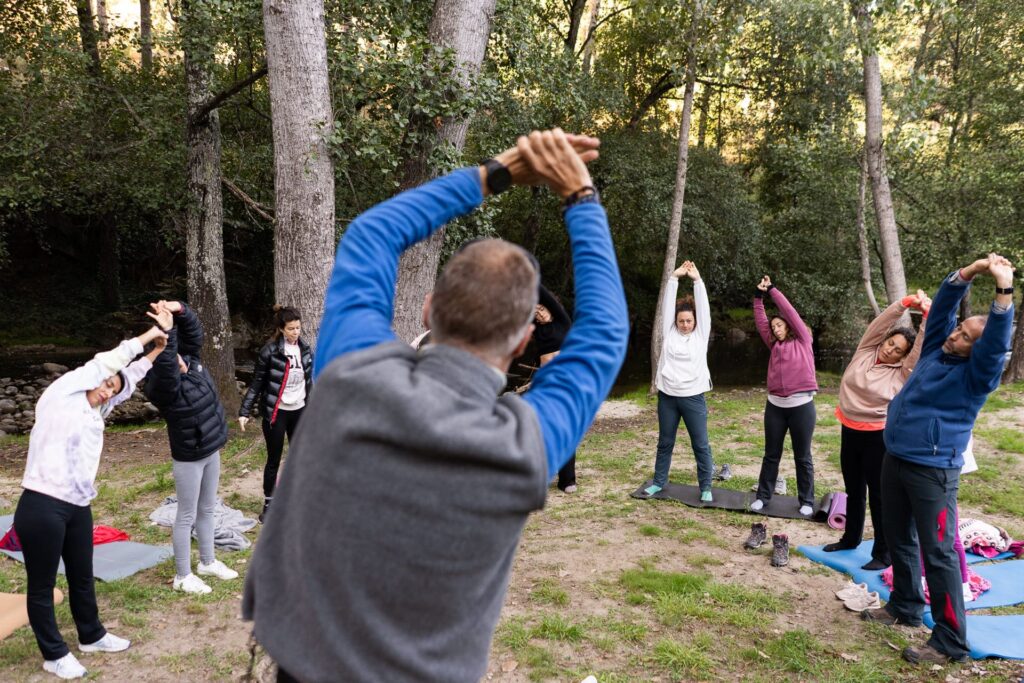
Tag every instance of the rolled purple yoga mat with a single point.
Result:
(837, 511)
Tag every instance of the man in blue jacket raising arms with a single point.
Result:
(388, 554)
(929, 425)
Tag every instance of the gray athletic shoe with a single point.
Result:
(780, 486)
(724, 474)
(780, 550)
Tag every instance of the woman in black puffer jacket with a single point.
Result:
(280, 386)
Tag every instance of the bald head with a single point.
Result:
(962, 338)
(485, 298)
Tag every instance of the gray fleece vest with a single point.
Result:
(387, 550)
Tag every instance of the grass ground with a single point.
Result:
(603, 584)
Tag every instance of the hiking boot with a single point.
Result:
(780, 486)
(780, 550)
(758, 535)
(724, 474)
(926, 654)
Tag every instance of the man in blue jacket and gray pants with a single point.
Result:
(388, 553)
(929, 425)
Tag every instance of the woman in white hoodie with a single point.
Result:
(683, 379)
(53, 520)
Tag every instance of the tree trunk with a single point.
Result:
(463, 26)
(885, 216)
(862, 239)
(204, 216)
(101, 19)
(671, 248)
(1015, 368)
(575, 8)
(87, 34)
(300, 109)
(588, 49)
(702, 122)
(145, 36)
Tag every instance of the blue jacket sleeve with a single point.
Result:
(985, 367)
(360, 298)
(567, 392)
(942, 315)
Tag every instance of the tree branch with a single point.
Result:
(216, 100)
(592, 29)
(248, 201)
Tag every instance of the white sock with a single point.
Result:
(757, 505)
(806, 510)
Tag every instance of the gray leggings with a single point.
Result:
(196, 486)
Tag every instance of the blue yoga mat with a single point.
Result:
(992, 636)
(989, 636)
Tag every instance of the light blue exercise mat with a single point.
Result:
(110, 561)
(989, 636)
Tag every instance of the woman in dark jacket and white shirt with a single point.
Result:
(281, 383)
(183, 391)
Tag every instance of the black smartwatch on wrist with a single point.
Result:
(1004, 290)
(498, 177)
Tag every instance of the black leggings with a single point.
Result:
(49, 530)
(861, 456)
(285, 422)
(799, 422)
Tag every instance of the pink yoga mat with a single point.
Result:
(837, 511)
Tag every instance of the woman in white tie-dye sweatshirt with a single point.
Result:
(54, 520)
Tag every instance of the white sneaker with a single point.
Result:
(191, 584)
(780, 486)
(108, 643)
(218, 569)
(67, 667)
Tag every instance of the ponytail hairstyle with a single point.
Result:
(282, 316)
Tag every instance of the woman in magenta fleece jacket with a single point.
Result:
(791, 388)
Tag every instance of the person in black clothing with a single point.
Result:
(281, 383)
(183, 391)
(551, 324)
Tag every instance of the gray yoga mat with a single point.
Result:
(787, 507)
(110, 561)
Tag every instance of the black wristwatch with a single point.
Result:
(498, 177)
(1004, 290)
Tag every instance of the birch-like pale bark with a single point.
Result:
(885, 214)
(300, 106)
(676, 219)
(464, 27)
(862, 239)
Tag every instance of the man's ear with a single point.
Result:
(426, 309)
(521, 346)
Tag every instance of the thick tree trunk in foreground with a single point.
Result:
(862, 239)
(300, 109)
(146, 35)
(1015, 368)
(675, 222)
(892, 259)
(204, 243)
(463, 26)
